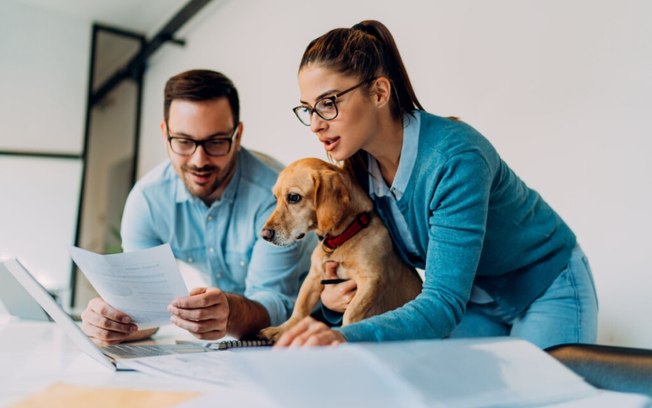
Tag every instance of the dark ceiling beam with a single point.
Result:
(137, 64)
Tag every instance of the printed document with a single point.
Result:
(497, 372)
(139, 283)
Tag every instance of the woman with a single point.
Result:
(498, 260)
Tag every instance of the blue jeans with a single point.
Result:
(567, 312)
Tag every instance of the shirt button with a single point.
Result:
(211, 250)
(242, 263)
(219, 275)
(189, 260)
(210, 218)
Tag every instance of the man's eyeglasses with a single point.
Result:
(214, 147)
(325, 108)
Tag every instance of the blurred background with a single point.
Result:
(562, 89)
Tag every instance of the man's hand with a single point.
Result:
(337, 297)
(204, 313)
(310, 332)
(106, 326)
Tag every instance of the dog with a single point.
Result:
(313, 195)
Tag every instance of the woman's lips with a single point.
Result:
(330, 143)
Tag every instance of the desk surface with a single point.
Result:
(35, 355)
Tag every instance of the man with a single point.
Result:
(209, 202)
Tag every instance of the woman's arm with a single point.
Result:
(455, 195)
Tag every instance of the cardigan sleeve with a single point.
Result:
(457, 194)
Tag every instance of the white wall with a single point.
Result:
(43, 74)
(37, 220)
(562, 88)
(43, 66)
(44, 63)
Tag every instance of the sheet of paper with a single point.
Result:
(217, 369)
(328, 376)
(139, 283)
(433, 373)
(470, 372)
(605, 398)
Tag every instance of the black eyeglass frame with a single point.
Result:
(332, 98)
(202, 143)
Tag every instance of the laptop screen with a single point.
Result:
(16, 301)
(67, 324)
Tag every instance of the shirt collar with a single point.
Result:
(377, 185)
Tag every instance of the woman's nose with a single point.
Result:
(317, 124)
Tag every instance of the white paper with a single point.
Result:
(503, 372)
(139, 283)
(216, 368)
(605, 398)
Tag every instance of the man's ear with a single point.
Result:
(238, 139)
(381, 91)
(164, 131)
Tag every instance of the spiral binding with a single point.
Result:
(223, 345)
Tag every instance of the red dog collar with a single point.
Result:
(360, 222)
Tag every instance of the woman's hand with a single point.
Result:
(310, 332)
(338, 296)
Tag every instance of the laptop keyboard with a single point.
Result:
(148, 350)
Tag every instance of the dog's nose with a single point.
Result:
(267, 234)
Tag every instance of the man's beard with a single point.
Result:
(205, 192)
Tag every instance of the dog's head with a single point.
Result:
(310, 195)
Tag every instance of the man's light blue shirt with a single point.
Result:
(221, 241)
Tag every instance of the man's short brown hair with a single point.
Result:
(201, 85)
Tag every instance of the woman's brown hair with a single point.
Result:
(366, 50)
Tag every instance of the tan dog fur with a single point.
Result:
(328, 203)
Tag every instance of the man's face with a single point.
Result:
(205, 177)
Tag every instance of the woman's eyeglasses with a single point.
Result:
(325, 108)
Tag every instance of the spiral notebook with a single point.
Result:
(110, 356)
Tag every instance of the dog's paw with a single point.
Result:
(271, 333)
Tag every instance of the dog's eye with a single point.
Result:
(293, 198)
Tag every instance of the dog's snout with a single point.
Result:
(267, 234)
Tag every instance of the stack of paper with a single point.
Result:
(501, 372)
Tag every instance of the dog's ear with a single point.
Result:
(332, 199)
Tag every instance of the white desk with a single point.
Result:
(34, 355)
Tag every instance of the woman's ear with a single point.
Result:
(381, 90)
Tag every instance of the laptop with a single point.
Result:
(109, 356)
(17, 302)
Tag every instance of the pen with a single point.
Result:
(332, 281)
